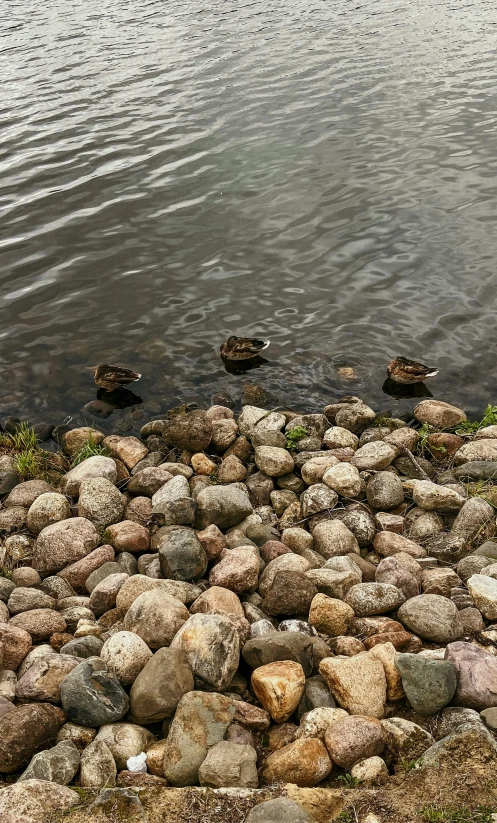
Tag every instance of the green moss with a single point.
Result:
(293, 436)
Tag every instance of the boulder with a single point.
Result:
(368, 599)
(483, 590)
(357, 683)
(181, 554)
(439, 414)
(431, 617)
(305, 762)
(160, 685)
(354, 738)
(273, 461)
(384, 491)
(98, 767)
(156, 617)
(279, 687)
(190, 432)
(237, 570)
(24, 731)
(100, 502)
(64, 543)
(280, 646)
(332, 538)
(48, 508)
(40, 623)
(77, 573)
(331, 616)
(429, 684)
(229, 765)
(91, 696)
(211, 645)
(222, 506)
(476, 675)
(35, 801)
(58, 765)
(374, 456)
(124, 740)
(279, 810)
(431, 497)
(125, 655)
(41, 681)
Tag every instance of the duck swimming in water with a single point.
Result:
(242, 348)
(407, 371)
(114, 377)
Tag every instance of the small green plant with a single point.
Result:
(350, 781)
(24, 439)
(406, 765)
(439, 814)
(89, 449)
(424, 432)
(293, 436)
(29, 463)
(470, 427)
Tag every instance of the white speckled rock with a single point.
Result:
(374, 456)
(125, 654)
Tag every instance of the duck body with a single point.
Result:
(407, 371)
(242, 348)
(113, 377)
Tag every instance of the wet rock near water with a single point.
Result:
(245, 614)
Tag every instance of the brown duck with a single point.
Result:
(114, 377)
(242, 348)
(403, 370)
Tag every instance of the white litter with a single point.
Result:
(137, 763)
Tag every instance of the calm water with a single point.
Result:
(319, 172)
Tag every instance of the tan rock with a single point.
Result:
(370, 772)
(128, 449)
(156, 617)
(75, 439)
(357, 683)
(316, 722)
(330, 616)
(385, 653)
(218, 600)
(279, 687)
(40, 623)
(155, 758)
(201, 464)
(16, 643)
(437, 413)
(304, 762)
(128, 536)
(387, 544)
(139, 583)
(213, 541)
(77, 573)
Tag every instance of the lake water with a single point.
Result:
(320, 173)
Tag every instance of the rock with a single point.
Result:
(125, 655)
(127, 536)
(367, 599)
(217, 600)
(332, 538)
(129, 450)
(279, 687)
(483, 591)
(58, 765)
(335, 580)
(344, 479)
(238, 570)
(211, 645)
(109, 569)
(476, 675)
(24, 599)
(475, 515)
(79, 735)
(406, 741)
(190, 432)
(40, 623)
(386, 653)
(477, 470)
(201, 721)
(487, 549)
(103, 596)
(181, 554)
(331, 616)
(41, 682)
(124, 740)
(229, 765)
(454, 716)
(357, 683)
(372, 771)
(317, 498)
(92, 467)
(291, 592)
(279, 810)
(156, 617)
(25, 494)
(476, 451)
(100, 502)
(316, 722)
(231, 470)
(468, 737)
(429, 684)
(148, 481)
(354, 416)
(48, 508)
(280, 646)
(374, 456)
(91, 696)
(354, 738)
(439, 414)
(139, 583)
(223, 506)
(160, 685)
(360, 523)
(173, 490)
(24, 731)
(390, 571)
(98, 767)
(431, 617)
(35, 801)
(77, 573)
(119, 805)
(63, 543)
(385, 491)
(304, 762)
(273, 461)
(429, 496)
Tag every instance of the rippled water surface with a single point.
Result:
(319, 172)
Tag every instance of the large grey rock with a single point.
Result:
(24, 599)
(90, 696)
(98, 767)
(384, 491)
(191, 432)
(373, 598)
(475, 515)
(156, 617)
(48, 508)
(96, 466)
(477, 470)
(160, 686)
(24, 494)
(223, 506)
(173, 489)
(201, 721)
(63, 543)
(476, 675)
(483, 590)
(100, 502)
(211, 645)
(59, 765)
(181, 554)
(125, 740)
(429, 684)
(273, 461)
(468, 737)
(476, 451)
(431, 497)
(432, 617)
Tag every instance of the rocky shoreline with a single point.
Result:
(298, 611)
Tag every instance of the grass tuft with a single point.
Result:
(294, 436)
(439, 814)
(470, 427)
(89, 449)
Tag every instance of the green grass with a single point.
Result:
(439, 814)
(29, 463)
(470, 427)
(350, 781)
(24, 439)
(294, 436)
(89, 449)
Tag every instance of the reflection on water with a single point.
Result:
(319, 173)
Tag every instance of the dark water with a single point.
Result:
(319, 172)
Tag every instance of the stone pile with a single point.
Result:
(245, 614)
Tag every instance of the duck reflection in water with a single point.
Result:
(405, 390)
